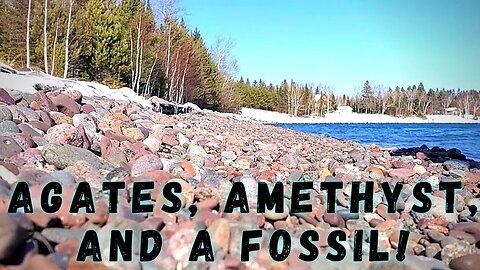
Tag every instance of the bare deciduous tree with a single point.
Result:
(28, 32)
(45, 38)
(221, 54)
(67, 44)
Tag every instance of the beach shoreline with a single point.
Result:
(271, 117)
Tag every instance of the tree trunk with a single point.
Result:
(147, 87)
(180, 96)
(170, 91)
(167, 70)
(139, 73)
(54, 48)
(65, 68)
(137, 55)
(131, 61)
(45, 41)
(28, 32)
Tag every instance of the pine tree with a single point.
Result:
(367, 96)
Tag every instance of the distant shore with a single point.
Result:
(353, 118)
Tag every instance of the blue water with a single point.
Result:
(465, 137)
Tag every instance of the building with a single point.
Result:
(344, 109)
(452, 111)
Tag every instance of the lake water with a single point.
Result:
(465, 137)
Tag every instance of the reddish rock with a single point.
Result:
(267, 175)
(160, 176)
(88, 108)
(101, 214)
(66, 134)
(421, 156)
(67, 105)
(401, 173)
(40, 125)
(44, 103)
(69, 247)
(145, 164)
(115, 117)
(467, 262)
(133, 133)
(169, 139)
(116, 135)
(73, 264)
(188, 168)
(5, 97)
(40, 262)
(75, 95)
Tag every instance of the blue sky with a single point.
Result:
(343, 43)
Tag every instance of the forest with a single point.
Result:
(148, 47)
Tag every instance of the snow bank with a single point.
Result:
(282, 118)
(25, 82)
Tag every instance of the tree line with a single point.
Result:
(116, 43)
(308, 99)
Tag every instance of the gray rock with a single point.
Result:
(456, 250)
(63, 155)
(458, 173)
(58, 235)
(432, 250)
(228, 155)
(8, 147)
(8, 126)
(5, 114)
(456, 164)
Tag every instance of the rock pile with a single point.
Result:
(64, 137)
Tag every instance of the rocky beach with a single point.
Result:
(64, 136)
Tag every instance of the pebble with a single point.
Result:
(145, 164)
